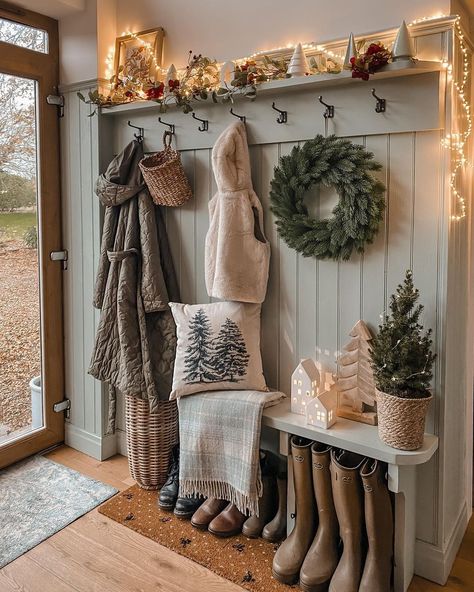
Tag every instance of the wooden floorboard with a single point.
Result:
(96, 554)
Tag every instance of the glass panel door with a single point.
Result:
(21, 404)
(31, 325)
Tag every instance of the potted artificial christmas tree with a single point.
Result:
(402, 362)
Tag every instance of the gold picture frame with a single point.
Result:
(135, 60)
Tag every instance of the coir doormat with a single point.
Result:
(246, 562)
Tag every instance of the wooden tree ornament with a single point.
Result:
(355, 381)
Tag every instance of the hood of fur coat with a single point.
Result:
(230, 159)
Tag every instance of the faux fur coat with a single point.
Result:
(136, 338)
(237, 255)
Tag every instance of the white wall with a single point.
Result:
(227, 30)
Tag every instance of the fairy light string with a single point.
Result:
(457, 142)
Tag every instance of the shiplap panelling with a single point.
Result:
(82, 227)
(311, 305)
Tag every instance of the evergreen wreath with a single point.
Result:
(330, 161)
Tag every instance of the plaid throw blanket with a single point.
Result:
(219, 445)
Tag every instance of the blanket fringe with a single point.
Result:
(246, 503)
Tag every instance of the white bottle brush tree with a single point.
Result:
(402, 359)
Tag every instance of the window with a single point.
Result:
(320, 415)
(307, 393)
(299, 391)
(23, 36)
(312, 393)
(330, 416)
(300, 382)
(295, 381)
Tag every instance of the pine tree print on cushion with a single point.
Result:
(231, 358)
(218, 348)
(199, 351)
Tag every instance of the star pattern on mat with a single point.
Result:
(246, 562)
(248, 577)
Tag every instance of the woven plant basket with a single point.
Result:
(165, 177)
(150, 439)
(402, 421)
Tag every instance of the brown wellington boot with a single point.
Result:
(322, 558)
(349, 503)
(228, 522)
(253, 526)
(206, 513)
(275, 531)
(379, 526)
(290, 556)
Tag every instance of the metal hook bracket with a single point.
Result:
(141, 131)
(381, 105)
(283, 115)
(241, 117)
(170, 125)
(204, 127)
(329, 112)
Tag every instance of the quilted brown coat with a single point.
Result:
(136, 338)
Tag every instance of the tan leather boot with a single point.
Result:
(290, 556)
(275, 531)
(207, 512)
(349, 503)
(323, 556)
(253, 526)
(228, 522)
(379, 527)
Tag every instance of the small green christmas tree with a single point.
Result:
(402, 359)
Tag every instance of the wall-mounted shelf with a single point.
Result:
(315, 81)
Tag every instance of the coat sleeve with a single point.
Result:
(108, 237)
(153, 287)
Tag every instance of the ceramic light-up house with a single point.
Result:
(305, 383)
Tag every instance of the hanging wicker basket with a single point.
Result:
(402, 421)
(165, 177)
(150, 439)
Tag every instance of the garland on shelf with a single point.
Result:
(336, 162)
(363, 64)
(199, 81)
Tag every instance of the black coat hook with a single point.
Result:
(241, 117)
(283, 117)
(329, 112)
(170, 125)
(205, 123)
(381, 105)
(141, 131)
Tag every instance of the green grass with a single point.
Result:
(13, 225)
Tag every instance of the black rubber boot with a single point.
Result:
(169, 491)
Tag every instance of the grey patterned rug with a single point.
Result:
(39, 497)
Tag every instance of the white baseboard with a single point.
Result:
(99, 447)
(121, 442)
(435, 563)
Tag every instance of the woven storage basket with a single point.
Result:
(165, 176)
(402, 421)
(150, 439)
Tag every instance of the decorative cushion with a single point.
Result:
(218, 348)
